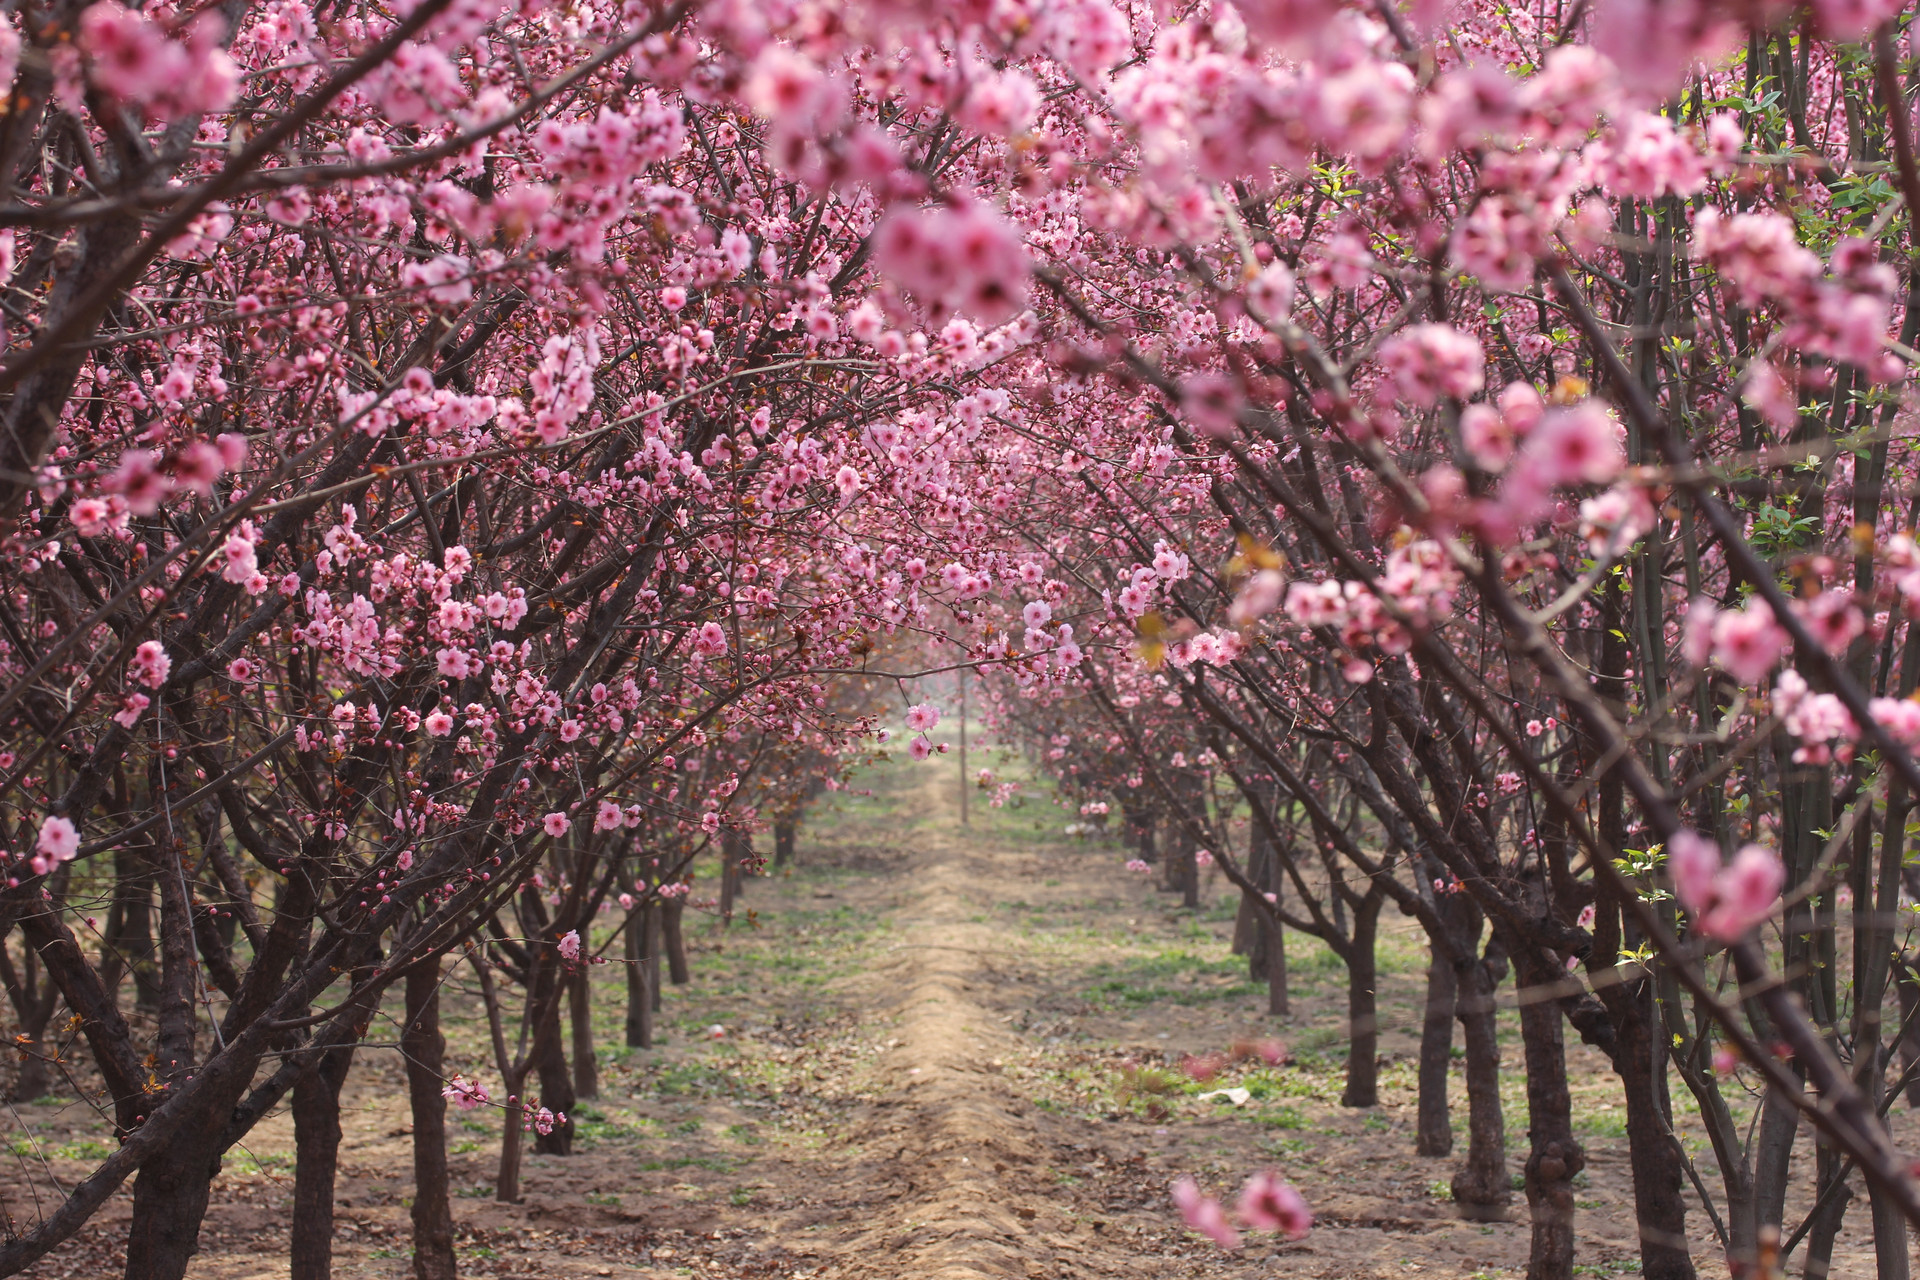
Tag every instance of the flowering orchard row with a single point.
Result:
(465, 462)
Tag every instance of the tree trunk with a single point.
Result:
(1481, 1188)
(1909, 982)
(316, 1139)
(1826, 1225)
(1779, 1126)
(1555, 1156)
(676, 941)
(586, 1071)
(1363, 1022)
(783, 832)
(1657, 1172)
(423, 1048)
(640, 960)
(169, 1200)
(130, 928)
(506, 1183)
(550, 1062)
(1433, 1131)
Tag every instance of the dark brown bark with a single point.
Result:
(1909, 987)
(1826, 1223)
(642, 949)
(1658, 1175)
(316, 1139)
(550, 1060)
(1555, 1155)
(783, 833)
(423, 1048)
(1274, 944)
(586, 1071)
(675, 941)
(1481, 1188)
(1433, 1129)
(1363, 1022)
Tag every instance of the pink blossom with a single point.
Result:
(468, 1095)
(1270, 293)
(1744, 893)
(240, 670)
(1692, 862)
(711, 640)
(556, 824)
(1726, 901)
(570, 946)
(1204, 1214)
(1267, 1203)
(1577, 444)
(130, 710)
(150, 664)
(89, 516)
(922, 716)
(59, 839)
(1747, 642)
(919, 748)
(1258, 597)
(608, 817)
(1136, 865)
(1431, 361)
(439, 723)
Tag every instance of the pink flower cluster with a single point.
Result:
(132, 58)
(1844, 315)
(1418, 578)
(1429, 362)
(468, 1095)
(59, 841)
(1745, 643)
(1726, 900)
(1267, 1203)
(960, 257)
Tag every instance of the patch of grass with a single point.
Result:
(85, 1149)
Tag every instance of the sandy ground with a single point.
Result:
(930, 1065)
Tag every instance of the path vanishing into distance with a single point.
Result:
(932, 1052)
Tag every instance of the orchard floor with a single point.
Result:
(941, 1054)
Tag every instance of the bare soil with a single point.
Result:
(932, 1052)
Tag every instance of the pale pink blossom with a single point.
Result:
(922, 716)
(150, 664)
(1431, 361)
(468, 1095)
(556, 824)
(570, 946)
(1204, 1214)
(59, 839)
(1267, 1203)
